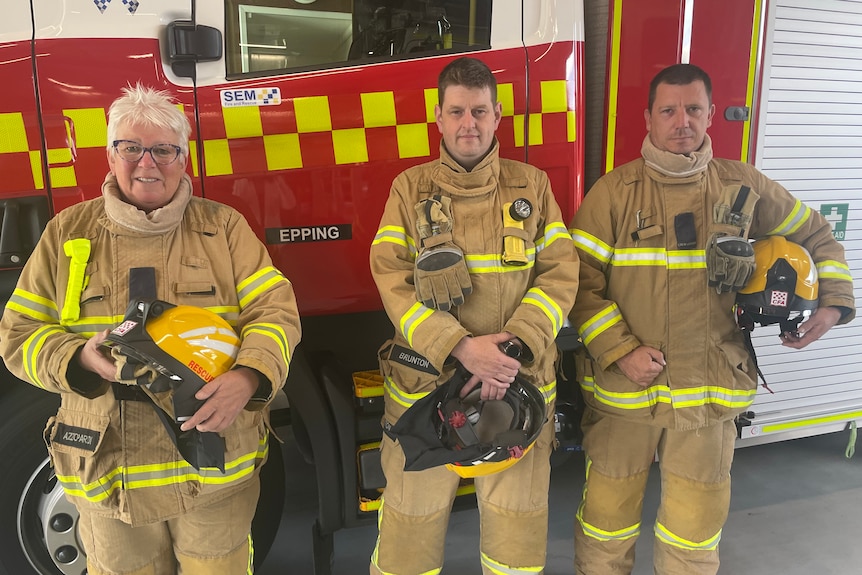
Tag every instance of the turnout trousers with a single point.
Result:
(205, 541)
(513, 514)
(695, 495)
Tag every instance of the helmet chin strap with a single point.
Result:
(746, 325)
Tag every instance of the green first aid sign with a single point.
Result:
(836, 214)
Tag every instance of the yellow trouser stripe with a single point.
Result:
(664, 535)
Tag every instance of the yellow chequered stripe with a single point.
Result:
(13, 136)
(91, 127)
(378, 109)
(284, 151)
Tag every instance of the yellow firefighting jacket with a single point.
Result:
(529, 301)
(649, 292)
(116, 457)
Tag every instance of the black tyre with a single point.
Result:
(267, 517)
(34, 514)
(39, 525)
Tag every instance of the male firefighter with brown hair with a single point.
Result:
(663, 242)
(461, 283)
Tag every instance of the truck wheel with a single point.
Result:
(270, 505)
(39, 525)
(30, 497)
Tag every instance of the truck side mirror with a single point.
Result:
(189, 43)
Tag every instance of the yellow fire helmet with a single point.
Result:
(182, 342)
(470, 436)
(783, 287)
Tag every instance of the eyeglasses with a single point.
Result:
(160, 153)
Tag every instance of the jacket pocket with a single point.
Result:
(408, 376)
(86, 455)
(245, 438)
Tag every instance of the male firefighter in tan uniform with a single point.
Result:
(146, 508)
(460, 276)
(663, 247)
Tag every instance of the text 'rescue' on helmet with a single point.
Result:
(783, 287)
(470, 436)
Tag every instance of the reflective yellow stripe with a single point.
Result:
(400, 396)
(549, 391)
(493, 263)
(396, 235)
(273, 332)
(834, 270)
(31, 348)
(89, 326)
(257, 283)
(249, 569)
(549, 307)
(414, 317)
(794, 220)
(592, 245)
(553, 232)
(594, 532)
(600, 323)
(500, 569)
(639, 257)
(156, 475)
(852, 416)
(34, 306)
(677, 398)
(664, 535)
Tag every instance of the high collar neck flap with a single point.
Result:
(156, 222)
(677, 165)
(455, 180)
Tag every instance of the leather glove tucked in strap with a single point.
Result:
(440, 275)
(131, 371)
(729, 262)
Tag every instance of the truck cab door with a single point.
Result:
(645, 37)
(23, 198)
(316, 107)
(87, 53)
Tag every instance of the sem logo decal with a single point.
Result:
(836, 215)
(250, 97)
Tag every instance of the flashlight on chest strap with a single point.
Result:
(514, 238)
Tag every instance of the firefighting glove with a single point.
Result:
(133, 371)
(440, 274)
(729, 262)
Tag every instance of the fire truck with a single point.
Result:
(303, 112)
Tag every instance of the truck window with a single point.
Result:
(295, 35)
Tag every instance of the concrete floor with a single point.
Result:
(796, 509)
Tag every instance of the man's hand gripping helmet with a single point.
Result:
(470, 436)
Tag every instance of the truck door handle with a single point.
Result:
(737, 113)
(70, 142)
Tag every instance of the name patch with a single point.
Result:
(79, 437)
(412, 359)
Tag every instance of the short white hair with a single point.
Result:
(146, 106)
